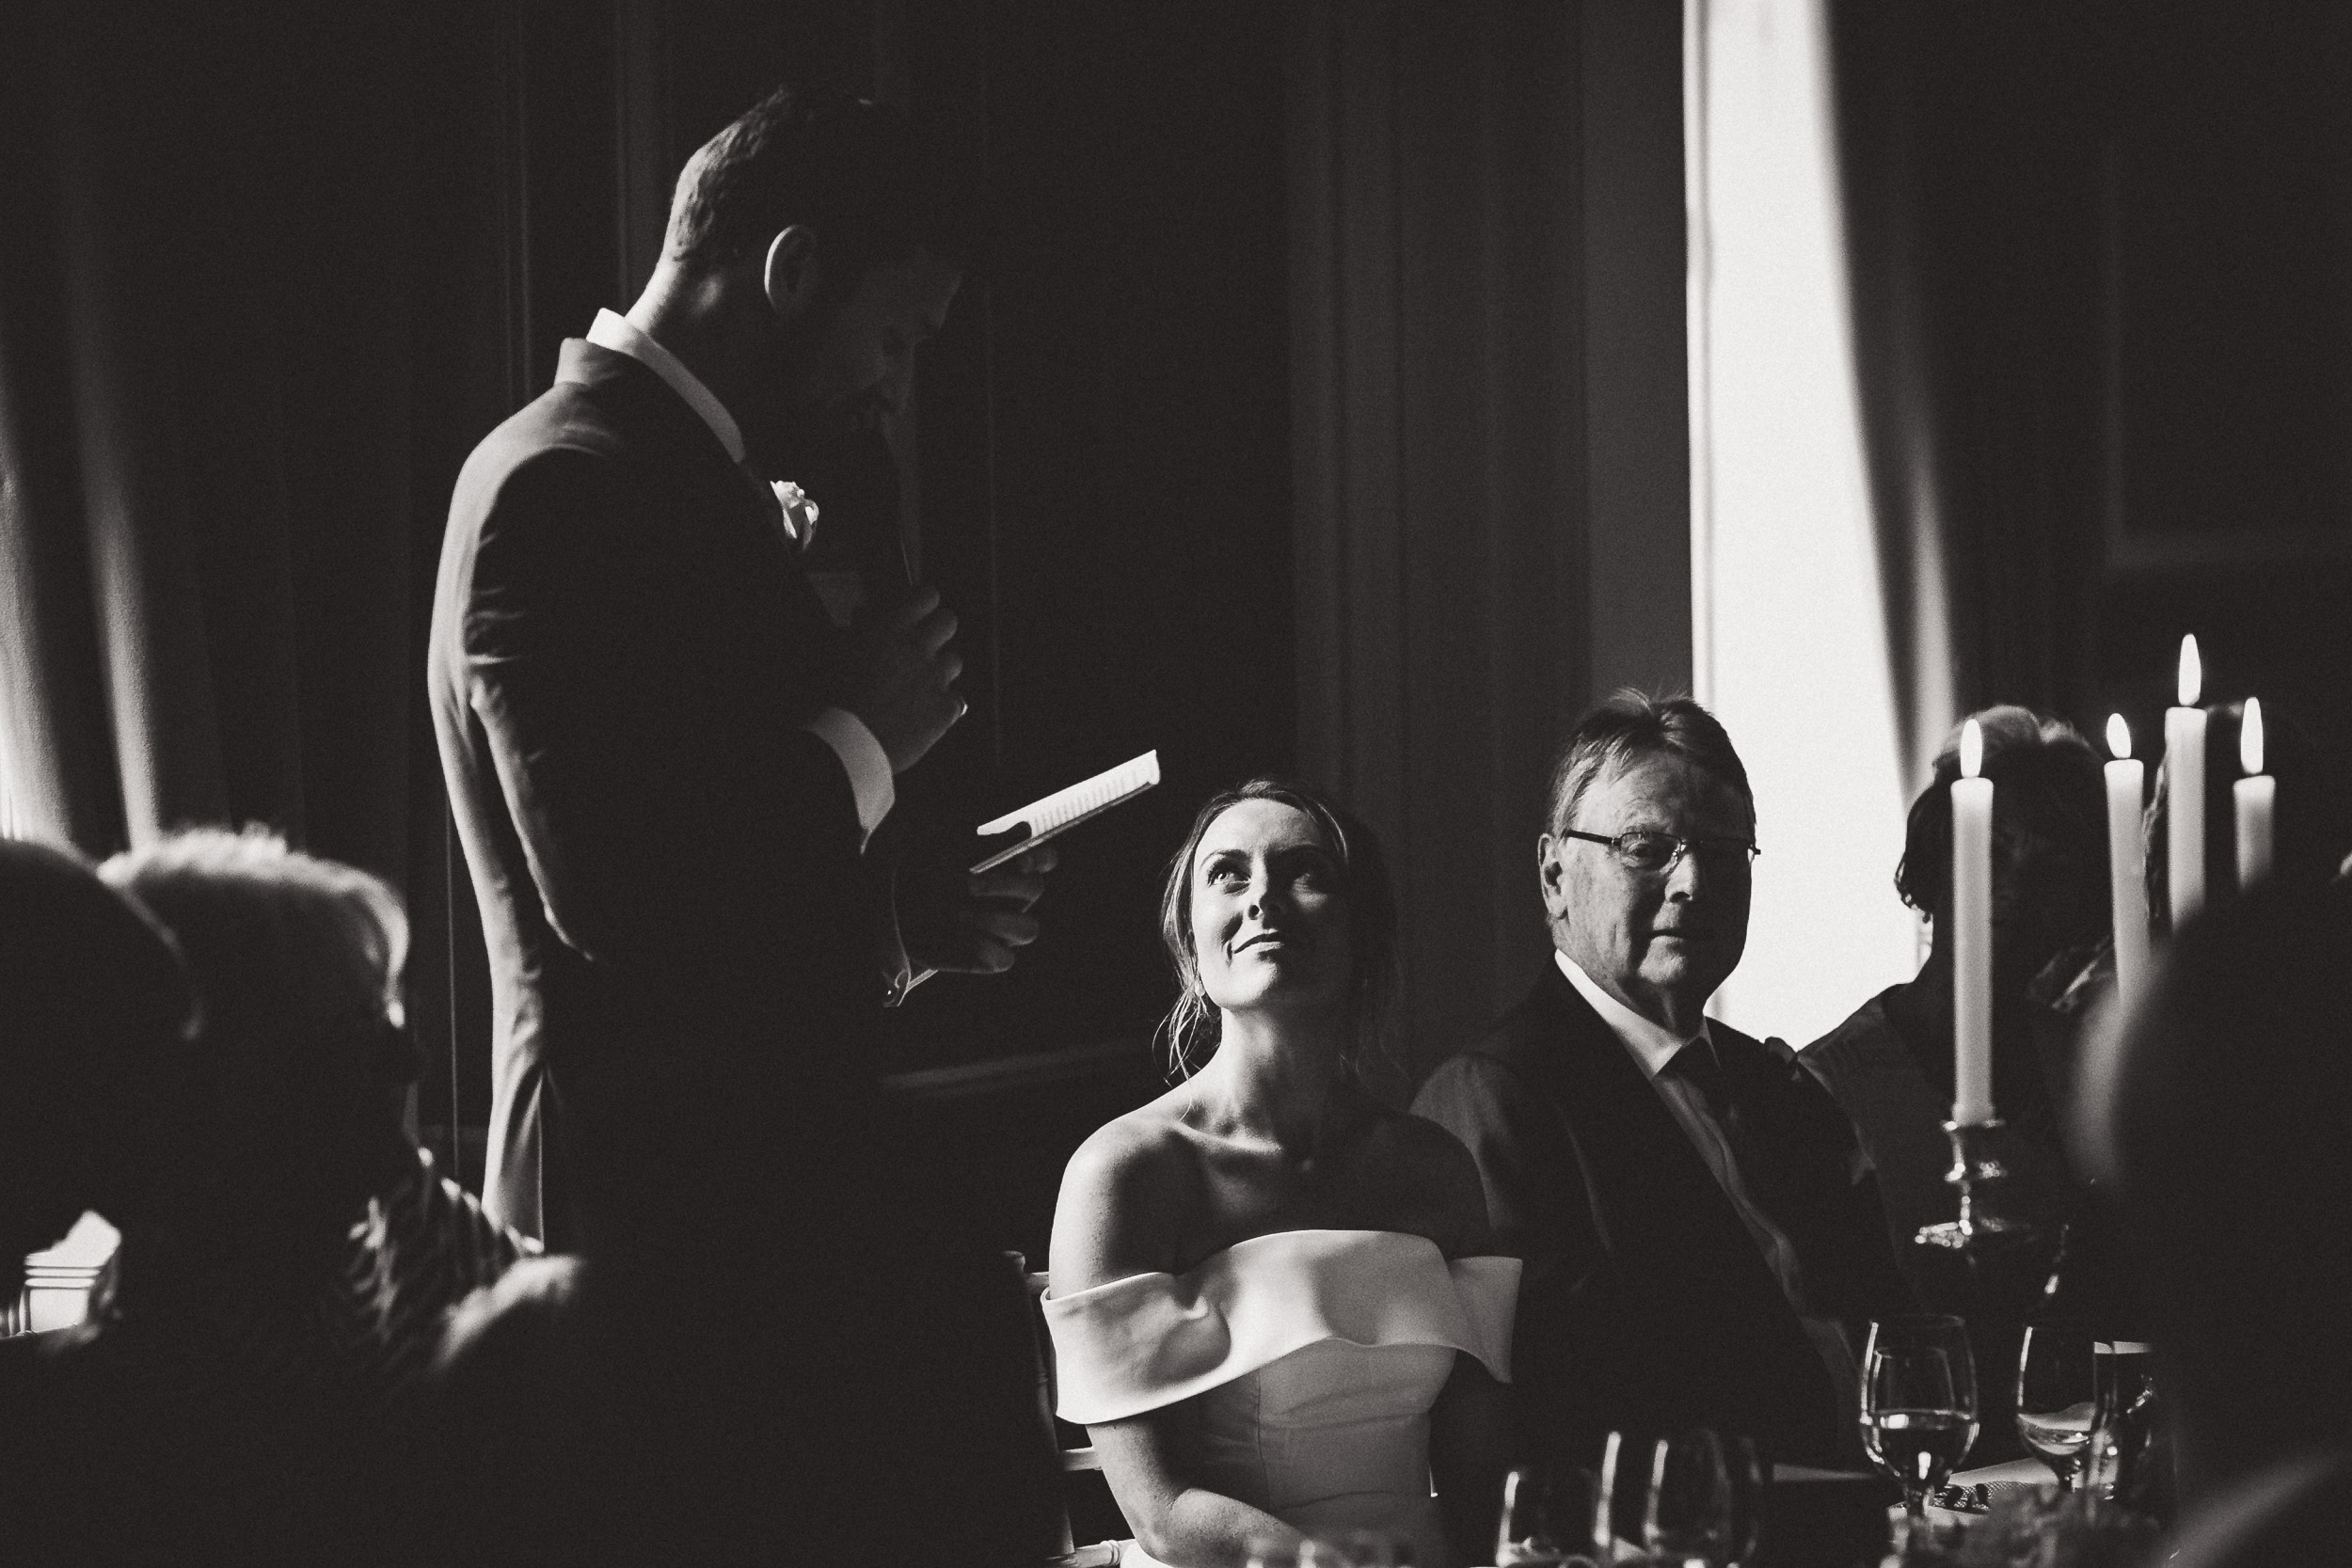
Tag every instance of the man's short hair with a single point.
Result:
(2050, 782)
(1630, 725)
(849, 170)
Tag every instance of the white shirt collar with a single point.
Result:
(1653, 1044)
(622, 335)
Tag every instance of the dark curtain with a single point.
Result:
(205, 509)
(2099, 254)
(1438, 408)
(1970, 153)
(1489, 427)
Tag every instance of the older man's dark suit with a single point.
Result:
(1645, 1304)
(624, 658)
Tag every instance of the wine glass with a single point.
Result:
(1547, 1522)
(1621, 1498)
(1918, 1402)
(1686, 1517)
(2058, 1394)
(1744, 1467)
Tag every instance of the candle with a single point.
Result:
(2127, 861)
(2257, 800)
(2185, 792)
(1972, 934)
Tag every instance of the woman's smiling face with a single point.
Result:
(1270, 912)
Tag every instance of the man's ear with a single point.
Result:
(791, 271)
(1551, 875)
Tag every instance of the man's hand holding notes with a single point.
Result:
(963, 916)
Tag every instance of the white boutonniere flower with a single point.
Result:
(799, 512)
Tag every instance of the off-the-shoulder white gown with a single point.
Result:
(1310, 1360)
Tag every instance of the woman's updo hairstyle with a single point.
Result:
(1189, 1032)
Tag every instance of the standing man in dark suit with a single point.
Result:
(666, 763)
(664, 760)
(1702, 1238)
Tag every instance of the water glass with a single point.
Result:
(2057, 1396)
(1744, 1467)
(1918, 1403)
(1686, 1518)
(1548, 1515)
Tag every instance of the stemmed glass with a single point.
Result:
(1743, 1466)
(1918, 1403)
(1621, 1499)
(1686, 1517)
(1548, 1514)
(2057, 1395)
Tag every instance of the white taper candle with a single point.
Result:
(1972, 934)
(2185, 792)
(2127, 860)
(2257, 796)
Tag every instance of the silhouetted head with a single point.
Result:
(2222, 1111)
(95, 1015)
(817, 229)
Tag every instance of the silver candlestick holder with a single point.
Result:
(1983, 1225)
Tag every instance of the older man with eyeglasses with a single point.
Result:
(1702, 1237)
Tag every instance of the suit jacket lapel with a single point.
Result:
(1659, 1205)
(676, 440)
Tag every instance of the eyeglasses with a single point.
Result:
(1654, 853)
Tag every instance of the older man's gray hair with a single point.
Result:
(1631, 725)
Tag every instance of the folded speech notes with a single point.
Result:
(1065, 809)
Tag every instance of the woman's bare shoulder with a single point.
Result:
(1127, 1195)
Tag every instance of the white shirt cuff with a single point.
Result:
(863, 759)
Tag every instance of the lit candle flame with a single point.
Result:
(2192, 671)
(2249, 738)
(1971, 749)
(2119, 736)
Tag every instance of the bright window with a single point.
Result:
(1789, 646)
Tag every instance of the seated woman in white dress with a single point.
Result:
(1270, 1302)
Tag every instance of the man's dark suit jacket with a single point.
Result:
(1646, 1305)
(684, 965)
(624, 658)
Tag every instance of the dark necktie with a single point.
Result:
(1698, 1065)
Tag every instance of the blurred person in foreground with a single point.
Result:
(1703, 1238)
(96, 1018)
(1889, 1066)
(1273, 1304)
(664, 1405)
(249, 1384)
(2219, 1109)
(309, 1068)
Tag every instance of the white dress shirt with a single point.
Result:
(1652, 1045)
(862, 755)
